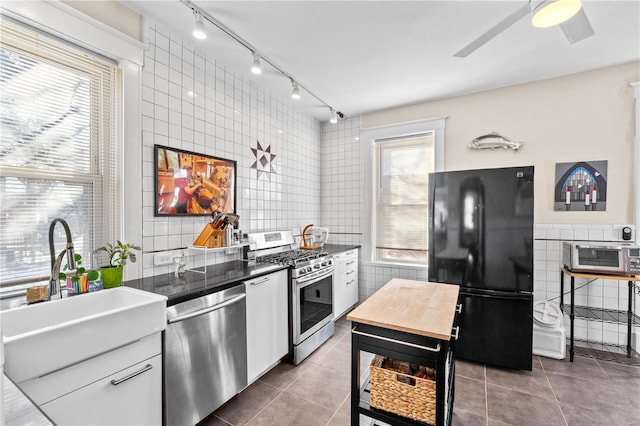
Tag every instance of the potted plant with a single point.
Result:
(118, 254)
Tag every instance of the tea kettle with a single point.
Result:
(318, 236)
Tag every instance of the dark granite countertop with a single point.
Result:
(194, 284)
(338, 248)
(218, 277)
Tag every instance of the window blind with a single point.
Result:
(401, 193)
(58, 152)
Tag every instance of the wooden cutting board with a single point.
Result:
(417, 307)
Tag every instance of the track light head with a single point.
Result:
(295, 93)
(256, 67)
(198, 28)
(333, 116)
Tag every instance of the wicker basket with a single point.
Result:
(402, 394)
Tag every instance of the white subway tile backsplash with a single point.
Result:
(595, 235)
(599, 294)
(553, 234)
(566, 234)
(226, 118)
(580, 234)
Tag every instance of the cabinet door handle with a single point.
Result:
(349, 263)
(147, 367)
(350, 272)
(459, 308)
(351, 282)
(220, 305)
(387, 339)
(262, 281)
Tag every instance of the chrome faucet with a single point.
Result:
(54, 283)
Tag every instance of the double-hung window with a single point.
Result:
(402, 156)
(402, 167)
(58, 151)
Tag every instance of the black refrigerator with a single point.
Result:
(481, 238)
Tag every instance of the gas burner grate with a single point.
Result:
(292, 257)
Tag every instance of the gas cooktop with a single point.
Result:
(278, 247)
(292, 257)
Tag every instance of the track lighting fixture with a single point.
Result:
(333, 116)
(198, 28)
(295, 94)
(256, 67)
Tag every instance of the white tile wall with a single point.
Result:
(607, 294)
(343, 204)
(192, 102)
(320, 173)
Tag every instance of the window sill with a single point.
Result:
(395, 265)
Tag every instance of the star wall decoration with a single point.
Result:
(263, 160)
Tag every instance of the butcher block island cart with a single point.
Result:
(410, 328)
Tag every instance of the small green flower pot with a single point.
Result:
(111, 276)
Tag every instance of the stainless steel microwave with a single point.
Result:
(607, 258)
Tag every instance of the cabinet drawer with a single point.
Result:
(347, 261)
(349, 277)
(132, 396)
(43, 389)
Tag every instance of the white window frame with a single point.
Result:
(369, 137)
(67, 23)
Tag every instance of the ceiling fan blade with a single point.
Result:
(578, 27)
(494, 31)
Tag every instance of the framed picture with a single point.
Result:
(581, 186)
(191, 184)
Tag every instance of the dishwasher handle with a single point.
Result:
(215, 307)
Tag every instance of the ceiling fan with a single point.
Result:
(569, 14)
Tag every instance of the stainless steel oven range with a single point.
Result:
(310, 289)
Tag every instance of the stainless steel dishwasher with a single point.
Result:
(205, 354)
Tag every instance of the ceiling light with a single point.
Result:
(256, 67)
(333, 117)
(198, 29)
(295, 94)
(554, 12)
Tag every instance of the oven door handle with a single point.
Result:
(310, 279)
(215, 307)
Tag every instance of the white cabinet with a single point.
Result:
(124, 398)
(120, 387)
(345, 282)
(267, 322)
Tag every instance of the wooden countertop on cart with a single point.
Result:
(417, 307)
(583, 274)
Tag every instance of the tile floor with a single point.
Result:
(587, 392)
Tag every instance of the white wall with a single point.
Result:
(226, 118)
(585, 116)
(581, 117)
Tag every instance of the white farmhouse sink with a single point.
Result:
(48, 336)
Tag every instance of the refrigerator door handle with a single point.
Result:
(459, 308)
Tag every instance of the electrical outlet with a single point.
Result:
(164, 258)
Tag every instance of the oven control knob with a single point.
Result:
(316, 266)
(309, 269)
